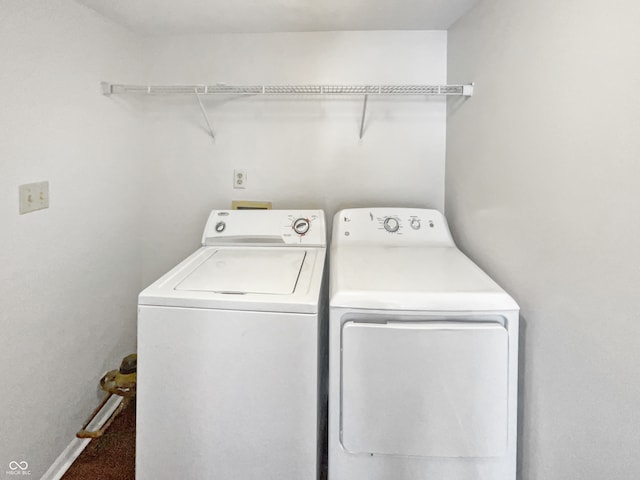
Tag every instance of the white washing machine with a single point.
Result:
(423, 354)
(229, 350)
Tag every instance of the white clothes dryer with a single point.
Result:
(230, 351)
(423, 354)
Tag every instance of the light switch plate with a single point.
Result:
(33, 196)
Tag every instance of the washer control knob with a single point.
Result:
(220, 226)
(415, 224)
(391, 224)
(301, 226)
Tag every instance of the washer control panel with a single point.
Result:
(265, 227)
(391, 226)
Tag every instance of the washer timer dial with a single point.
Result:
(301, 226)
(391, 224)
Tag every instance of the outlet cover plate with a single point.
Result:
(239, 178)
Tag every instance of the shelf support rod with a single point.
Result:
(204, 114)
(364, 113)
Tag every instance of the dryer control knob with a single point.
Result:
(220, 226)
(391, 224)
(415, 224)
(301, 226)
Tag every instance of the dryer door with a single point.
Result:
(424, 388)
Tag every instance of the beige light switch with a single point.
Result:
(33, 196)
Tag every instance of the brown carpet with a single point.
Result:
(112, 456)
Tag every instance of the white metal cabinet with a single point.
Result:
(227, 395)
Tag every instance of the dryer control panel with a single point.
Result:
(266, 227)
(391, 226)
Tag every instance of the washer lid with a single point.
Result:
(267, 271)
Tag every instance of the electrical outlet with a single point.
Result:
(239, 178)
(33, 196)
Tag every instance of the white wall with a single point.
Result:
(298, 153)
(132, 179)
(69, 274)
(542, 190)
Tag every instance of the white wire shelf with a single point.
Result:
(235, 90)
(223, 89)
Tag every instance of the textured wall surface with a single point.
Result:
(132, 179)
(69, 274)
(298, 152)
(542, 190)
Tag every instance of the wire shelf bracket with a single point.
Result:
(364, 113)
(465, 90)
(206, 117)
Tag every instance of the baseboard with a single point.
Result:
(69, 455)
